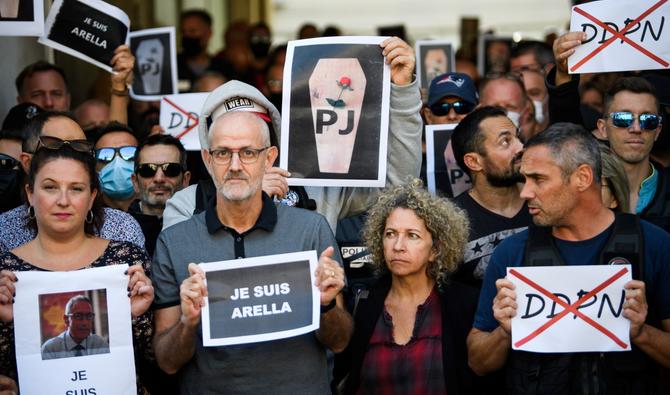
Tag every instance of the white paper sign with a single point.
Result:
(570, 308)
(444, 175)
(21, 17)
(102, 361)
(621, 35)
(155, 70)
(260, 299)
(179, 117)
(90, 30)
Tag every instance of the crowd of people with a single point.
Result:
(563, 169)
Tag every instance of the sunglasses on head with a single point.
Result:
(8, 163)
(107, 154)
(461, 107)
(624, 119)
(148, 170)
(54, 143)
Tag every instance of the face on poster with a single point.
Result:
(260, 299)
(21, 17)
(335, 112)
(155, 63)
(494, 54)
(445, 177)
(76, 326)
(433, 57)
(90, 30)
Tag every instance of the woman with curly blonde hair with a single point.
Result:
(411, 326)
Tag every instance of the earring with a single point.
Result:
(31, 213)
(89, 216)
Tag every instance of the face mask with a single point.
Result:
(275, 98)
(514, 117)
(191, 46)
(10, 188)
(115, 179)
(260, 48)
(539, 110)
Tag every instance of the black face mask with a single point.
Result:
(11, 182)
(260, 48)
(275, 98)
(191, 46)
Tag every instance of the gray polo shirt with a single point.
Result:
(287, 366)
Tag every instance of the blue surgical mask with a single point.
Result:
(115, 179)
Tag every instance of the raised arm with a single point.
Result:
(122, 64)
(336, 326)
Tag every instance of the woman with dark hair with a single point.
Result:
(411, 327)
(65, 208)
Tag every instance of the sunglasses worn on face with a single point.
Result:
(461, 107)
(8, 163)
(624, 119)
(148, 170)
(54, 143)
(107, 154)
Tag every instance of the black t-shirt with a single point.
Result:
(487, 230)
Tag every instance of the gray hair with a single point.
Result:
(74, 300)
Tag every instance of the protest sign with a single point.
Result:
(570, 308)
(334, 89)
(155, 70)
(21, 17)
(444, 175)
(494, 54)
(433, 57)
(89, 30)
(54, 308)
(179, 117)
(259, 299)
(621, 35)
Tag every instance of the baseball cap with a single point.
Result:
(452, 84)
(19, 116)
(236, 96)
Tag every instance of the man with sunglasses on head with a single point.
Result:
(160, 171)
(52, 130)
(115, 148)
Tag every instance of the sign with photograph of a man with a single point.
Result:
(75, 325)
(335, 111)
(90, 30)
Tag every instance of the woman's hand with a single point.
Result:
(7, 293)
(140, 291)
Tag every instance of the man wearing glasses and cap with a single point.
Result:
(451, 97)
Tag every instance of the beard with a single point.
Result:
(504, 179)
(239, 192)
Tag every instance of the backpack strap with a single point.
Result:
(540, 248)
(625, 245)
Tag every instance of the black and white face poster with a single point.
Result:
(445, 177)
(433, 57)
(76, 326)
(155, 63)
(21, 17)
(90, 30)
(494, 54)
(259, 299)
(335, 111)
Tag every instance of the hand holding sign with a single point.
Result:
(274, 182)
(122, 64)
(504, 304)
(7, 292)
(8, 386)
(140, 291)
(635, 306)
(329, 276)
(192, 293)
(564, 46)
(400, 56)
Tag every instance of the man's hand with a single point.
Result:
(400, 56)
(564, 46)
(7, 293)
(192, 293)
(635, 306)
(329, 276)
(274, 182)
(122, 63)
(504, 304)
(140, 290)
(8, 386)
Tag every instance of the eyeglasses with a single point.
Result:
(461, 107)
(8, 163)
(148, 170)
(107, 154)
(247, 155)
(54, 143)
(624, 119)
(82, 316)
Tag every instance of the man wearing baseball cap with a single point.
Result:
(451, 97)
